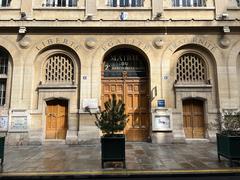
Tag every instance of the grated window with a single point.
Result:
(191, 69)
(59, 69)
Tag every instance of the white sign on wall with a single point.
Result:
(91, 103)
(19, 121)
(3, 123)
(162, 122)
(162, 119)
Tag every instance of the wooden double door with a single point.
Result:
(193, 118)
(135, 95)
(56, 119)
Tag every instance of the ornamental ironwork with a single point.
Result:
(125, 61)
(59, 69)
(191, 68)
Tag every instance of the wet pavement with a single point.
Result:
(86, 158)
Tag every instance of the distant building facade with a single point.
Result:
(174, 63)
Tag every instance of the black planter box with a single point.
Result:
(113, 149)
(2, 144)
(228, 147)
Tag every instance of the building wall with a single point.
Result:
(161, 39)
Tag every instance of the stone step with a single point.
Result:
(192, 141)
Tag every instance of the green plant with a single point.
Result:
(228, 123)
(113, 118)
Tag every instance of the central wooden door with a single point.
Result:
(193, 118)
(125, 73)
(135, 95)
(56, 119)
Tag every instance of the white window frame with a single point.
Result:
(119, 2)
(4, 68)
(3, 89)
(188, 3)
(54, 3)
(5, 3)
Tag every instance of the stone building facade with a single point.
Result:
(175, 64)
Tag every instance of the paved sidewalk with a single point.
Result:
(86, 158)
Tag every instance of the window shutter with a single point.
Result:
(91, 7)
(157, 8)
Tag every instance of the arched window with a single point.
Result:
(59, 69)
(3, 76)
(191, 68)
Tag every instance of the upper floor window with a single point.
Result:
(61, 3)
(2, 92)
(188, 3)
(238, 3)
(3, 63)
(5, 3)
(3, 76)
(125, 3)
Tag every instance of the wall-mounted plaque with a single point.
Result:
(18, 123)
(161, 103)
(91, 103)
(3, 123)
(162, 122)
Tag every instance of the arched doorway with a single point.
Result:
(125, 73)
(193, 118)
(56, 119)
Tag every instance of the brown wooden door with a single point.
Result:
(135, 94)
(193, 118)
(56, 119)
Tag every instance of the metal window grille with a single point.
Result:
(191, 69)
(59, 69)
(3, 63)
(61, 3)
(5, 3)
(188, 3)
(2, 92)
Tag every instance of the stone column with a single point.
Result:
(26, 9)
